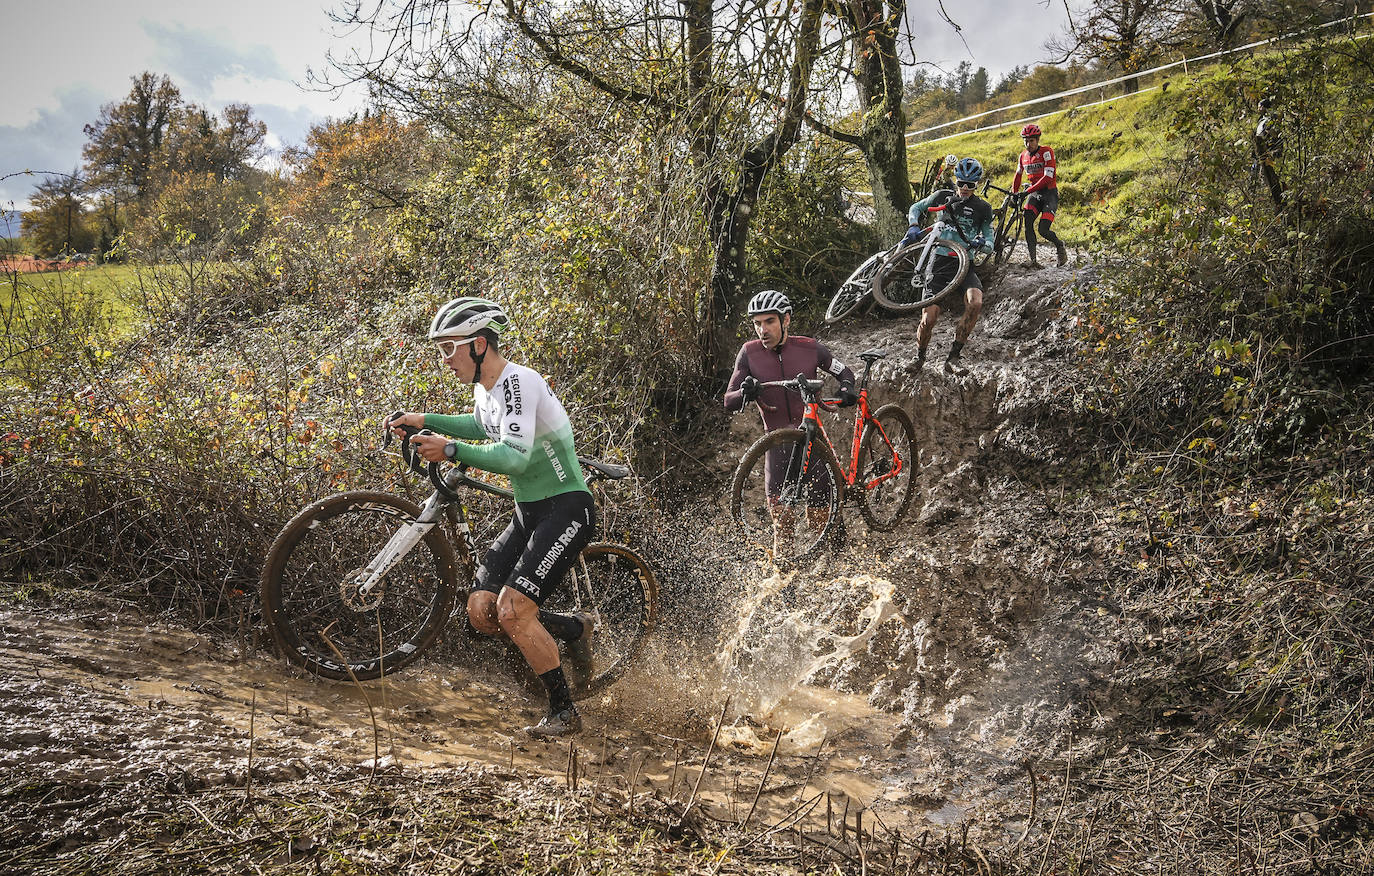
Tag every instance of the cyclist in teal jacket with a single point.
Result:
(524, 434)
(971, 224)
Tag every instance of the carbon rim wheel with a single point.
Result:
(616, 586)
(792, 518)
(310, 591)
(853, 290)
(887, 450)
(905, 283)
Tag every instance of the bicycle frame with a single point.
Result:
(814, 428)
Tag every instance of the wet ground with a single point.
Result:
(915, 679)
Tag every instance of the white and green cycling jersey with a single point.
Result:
(530, 436)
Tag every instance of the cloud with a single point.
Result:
(51, 142)
(200, 57)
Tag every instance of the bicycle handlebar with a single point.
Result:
(808, 389)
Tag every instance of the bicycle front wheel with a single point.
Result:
(311, 595)
(913, 278)
(853, 291)
(887, 467)
(786, 495)
(1008, 233)
(614, 585)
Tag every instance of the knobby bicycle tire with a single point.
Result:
(903, 285)
(893, 435)
(1008, 233)
(616, 586)
(309, 593)
(791, 519)
(853, 290)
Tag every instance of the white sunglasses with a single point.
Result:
(448, 347)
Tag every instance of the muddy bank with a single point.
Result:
(916, 678)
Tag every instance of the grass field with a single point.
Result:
(108, 287)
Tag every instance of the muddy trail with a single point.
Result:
(921, 678)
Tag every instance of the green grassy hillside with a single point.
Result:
(1107, 151)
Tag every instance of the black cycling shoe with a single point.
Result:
(1062, 255)
(554, 725)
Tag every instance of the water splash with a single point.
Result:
(789, 630)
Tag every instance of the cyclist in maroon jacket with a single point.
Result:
(778, 355)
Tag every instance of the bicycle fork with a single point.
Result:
(400, 544)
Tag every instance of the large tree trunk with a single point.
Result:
(882, 135)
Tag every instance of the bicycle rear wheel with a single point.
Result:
(906, 283)
(853, 290)
(887, 467)
(310, 593)
(790, 511)
(616, 586)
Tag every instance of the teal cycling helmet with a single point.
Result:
(969, 170)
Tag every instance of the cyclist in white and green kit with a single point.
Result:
(524, 434)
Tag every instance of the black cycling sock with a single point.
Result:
(557, 685)
(920, 354)
(955, 349)
(561, 626)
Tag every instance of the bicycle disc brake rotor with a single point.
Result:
(355, 599)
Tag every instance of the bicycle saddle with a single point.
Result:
(872, 355)
(607, 470)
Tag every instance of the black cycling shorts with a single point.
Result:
(945, 266)
(814, 489)
(539, 546)
(1044, 202)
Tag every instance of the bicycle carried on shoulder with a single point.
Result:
(788, 488)
(857, 289)
(361, 584)
(924, 271)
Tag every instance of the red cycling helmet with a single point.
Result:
(1031, 130)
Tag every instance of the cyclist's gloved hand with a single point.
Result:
(913, 234)
(980, 243)
(749, 388)
(848, 397)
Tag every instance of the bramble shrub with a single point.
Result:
(1229, 329)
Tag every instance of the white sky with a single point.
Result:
(67, 58)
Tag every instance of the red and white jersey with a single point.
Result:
(1038, 168)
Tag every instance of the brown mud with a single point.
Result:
(916, 677)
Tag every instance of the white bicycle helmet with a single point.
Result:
(951, 159)
(769, 301)
(464, 317)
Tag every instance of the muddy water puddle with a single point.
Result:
(112, 697)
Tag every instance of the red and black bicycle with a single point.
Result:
(789, 487)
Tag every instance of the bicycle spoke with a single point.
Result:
(615, 585)
(785, 500)
(887, 465)
(310, 588)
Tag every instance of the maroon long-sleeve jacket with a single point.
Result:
(780, 408)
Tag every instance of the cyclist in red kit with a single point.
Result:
(1040, 169)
